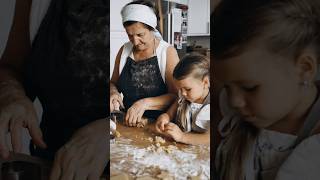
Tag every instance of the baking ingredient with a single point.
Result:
(191, 161)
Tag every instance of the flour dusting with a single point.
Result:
(145, 161)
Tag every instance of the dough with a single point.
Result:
(142, 123)
(150, 139)
(159, 139)
(117, 134)
(164, 175)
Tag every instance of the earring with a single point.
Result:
(306, 83)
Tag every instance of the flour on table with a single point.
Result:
(180, 164)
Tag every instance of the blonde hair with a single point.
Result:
(197, 66)
(194, 64)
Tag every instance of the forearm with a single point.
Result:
(160, 102)
(196, 138)
(10, 84)
(172, 111)
(113, 88)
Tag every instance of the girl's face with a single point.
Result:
(141, 37)
(261, 86)
(193, 89)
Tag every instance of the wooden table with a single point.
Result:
(131, 159)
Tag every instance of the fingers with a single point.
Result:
(132, 117)
(16, 135)
(116, 102)
(158, 126)
(56, 168)
(72, 153)
(68, 169)
(116, 106)
(162, 125)
(64, 165)
(36, 134)
(4, 150)
(169, 127)
(99, 163)
(111, 105)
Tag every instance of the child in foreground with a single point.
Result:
(191, 111)
(266, 55)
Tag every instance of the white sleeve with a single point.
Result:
(303, 162)
(7, 8)
(203, 118)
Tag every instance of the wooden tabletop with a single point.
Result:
(131, 147)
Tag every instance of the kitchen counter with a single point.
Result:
(136, 155)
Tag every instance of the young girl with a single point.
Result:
(192, 110)
(266, 55)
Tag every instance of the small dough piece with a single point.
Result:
(117, 134)
(159, 149)
(159, 139)
(164, 175)
(142, 123)
(151, 148)
(170, 148)
(150, 139)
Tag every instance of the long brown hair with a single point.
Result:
(286, 27)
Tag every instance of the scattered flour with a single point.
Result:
(146, 162)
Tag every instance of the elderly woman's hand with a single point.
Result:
(17, 112)
(135, 112)
(85, 156)
(116, 101)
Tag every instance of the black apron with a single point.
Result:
(139, 80)
(68, 69)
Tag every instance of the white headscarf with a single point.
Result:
(140, 13)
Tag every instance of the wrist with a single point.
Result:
(166, 116)
(181, 138)
(146, 103)
(112, 92)
(13, 90)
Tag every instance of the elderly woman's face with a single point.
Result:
(141, 37)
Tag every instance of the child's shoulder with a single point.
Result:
(303, 162)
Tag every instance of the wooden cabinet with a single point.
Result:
(199, 18)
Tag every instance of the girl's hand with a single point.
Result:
(174, 131)
(162, 120)
(85, 156)
(116, 101)
(135, 113)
